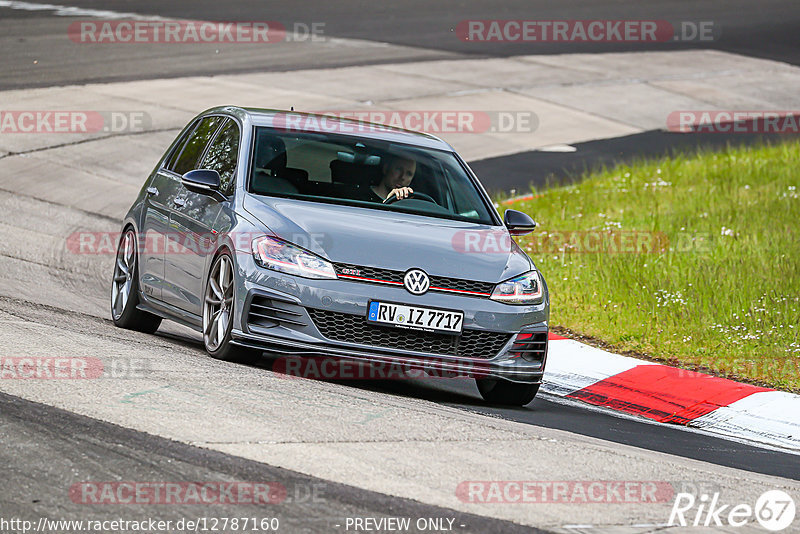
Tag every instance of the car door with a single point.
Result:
(162, 188)
(193, 220)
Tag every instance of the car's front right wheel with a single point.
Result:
(503, 392)
(218, 310)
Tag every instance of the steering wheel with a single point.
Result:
(421, 196)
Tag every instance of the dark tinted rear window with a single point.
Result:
(187, 160)
(222, 155)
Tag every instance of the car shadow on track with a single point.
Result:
(420, 388)
(549, 412)
(459, 391)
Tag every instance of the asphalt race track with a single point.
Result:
(370, 448)
(766, 30)
(38, 447)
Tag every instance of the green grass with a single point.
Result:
(718, 289)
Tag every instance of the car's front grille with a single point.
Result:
(377, 275)
(355, 329)
(266, 312)
(457, 284)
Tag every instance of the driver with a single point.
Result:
(398, 171)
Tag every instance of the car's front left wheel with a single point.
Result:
(218, 311)
(125, 289)
(503, 392)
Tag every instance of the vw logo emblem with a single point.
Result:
(416, 281)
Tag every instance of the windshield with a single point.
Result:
(363, 172)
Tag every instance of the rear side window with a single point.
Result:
(191, 151)
(222, 155)
(185, 135)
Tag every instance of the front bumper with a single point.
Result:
(437, 364)
(294, 332)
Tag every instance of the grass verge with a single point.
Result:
(694, 261)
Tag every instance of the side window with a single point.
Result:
(465, 198)
(222, 155)
(169, 163)
(187, 160)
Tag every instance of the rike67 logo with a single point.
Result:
(774, 510)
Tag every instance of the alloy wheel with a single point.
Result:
(123, 274)
(218, 303)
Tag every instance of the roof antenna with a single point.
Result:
(292, 109)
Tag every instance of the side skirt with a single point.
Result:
(169, 312)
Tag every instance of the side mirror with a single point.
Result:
(205, 181)
(518, 223)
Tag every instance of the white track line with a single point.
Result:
(70, 11)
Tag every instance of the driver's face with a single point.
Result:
(399, 173)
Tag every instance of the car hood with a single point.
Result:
(392, 240)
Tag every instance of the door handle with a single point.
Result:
(152, 191)
(179, 201)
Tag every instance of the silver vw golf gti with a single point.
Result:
(302, 235)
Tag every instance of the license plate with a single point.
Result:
(414, 317)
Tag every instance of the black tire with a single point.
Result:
(505, 393)
(126, 279)
(224, 349)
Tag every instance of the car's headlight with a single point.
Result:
(523, 289)
(281, 256)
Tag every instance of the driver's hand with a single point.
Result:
(400, 193)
